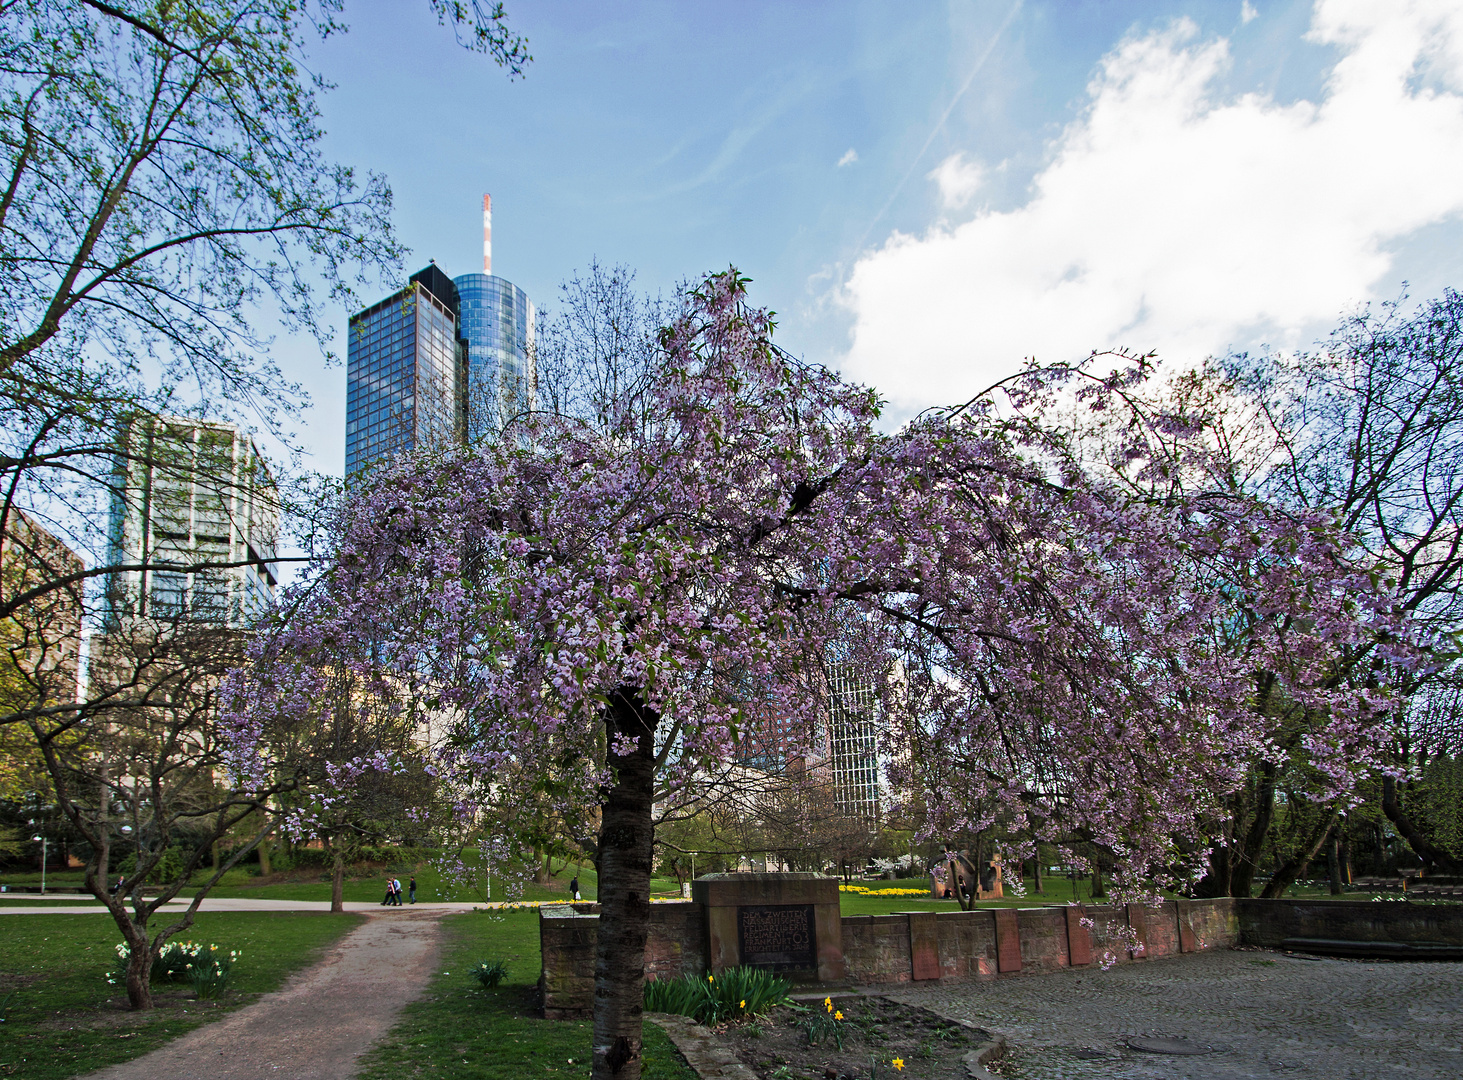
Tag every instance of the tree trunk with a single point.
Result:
(264, 869)
(139, 971)
(1333, 862)
(1098, 892)
(1036, 869)
(337, 882)
(1286, 873)
(1247, 856)
(1430, 854)
(626, 837)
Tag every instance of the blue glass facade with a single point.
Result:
(495, 319)
(405, 373)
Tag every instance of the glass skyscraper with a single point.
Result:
(405, 372)
(441, 361)
(495, 318)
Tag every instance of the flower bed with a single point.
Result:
(868, 1037)
(864, 890)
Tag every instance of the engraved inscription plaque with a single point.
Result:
(777, 936)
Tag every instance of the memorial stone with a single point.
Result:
(788, 923)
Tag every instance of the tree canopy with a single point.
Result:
(623, 591)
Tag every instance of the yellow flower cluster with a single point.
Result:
(863, 890)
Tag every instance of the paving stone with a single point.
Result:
(1268, 1016)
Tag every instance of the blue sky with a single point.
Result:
(1037, 178)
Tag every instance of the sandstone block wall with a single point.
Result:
(566, 947)
(876, 948)
(1269, 922)
(911, 946)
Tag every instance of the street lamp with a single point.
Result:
(42, 839)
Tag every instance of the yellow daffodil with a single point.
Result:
(828, 1003)
(898, 1064)
(711, 978)
(838, 1015)
(744, 1003)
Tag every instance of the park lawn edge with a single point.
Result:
(68, 984)
(459, 1031)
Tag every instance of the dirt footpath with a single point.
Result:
(319, 1023)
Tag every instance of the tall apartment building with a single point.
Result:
(853, 743)
(195, 503)
(443, 360)
(41, 650)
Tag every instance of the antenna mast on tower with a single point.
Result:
(487, 234)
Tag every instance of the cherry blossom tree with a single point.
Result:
(614, 595)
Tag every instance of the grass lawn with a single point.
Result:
(61, 1018)
(459, 1030)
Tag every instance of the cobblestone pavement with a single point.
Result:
(1265, 1015)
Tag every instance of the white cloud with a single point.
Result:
(849, 157)
(958, 180)
(1247, 13)
(1171, 218)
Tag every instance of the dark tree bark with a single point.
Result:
(625, 840)
(1232, 863)
(139, 971)
(1333, 863)
(1246, 856)
(1286, 873)
(337, 882)
(1430, 854)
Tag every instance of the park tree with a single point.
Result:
(1367, 431)
(606, 583)
(1371, 426)
(163, 185)
(351, 720)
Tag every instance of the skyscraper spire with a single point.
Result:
(487, 234)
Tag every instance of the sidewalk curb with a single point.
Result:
(983, 1055)
(703, 1051)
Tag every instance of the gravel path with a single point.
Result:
(319, 1023)
(1264, 1015)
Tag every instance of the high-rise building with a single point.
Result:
(853, 742)
(495, 318)
(405, 372)
(42, 639)
(195, 504)
(445, 359)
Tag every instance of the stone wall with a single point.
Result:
(923, 946)
(1003, 941)
(1271, 923)
(567, 937)
(566, 947)
(905, 947)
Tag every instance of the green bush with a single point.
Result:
(398, 858)
(490, 975)
(168, 869)
(736, 994)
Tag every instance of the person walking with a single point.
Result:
(574, 887)
(413, 888)
(396, 890)
(387, 901)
